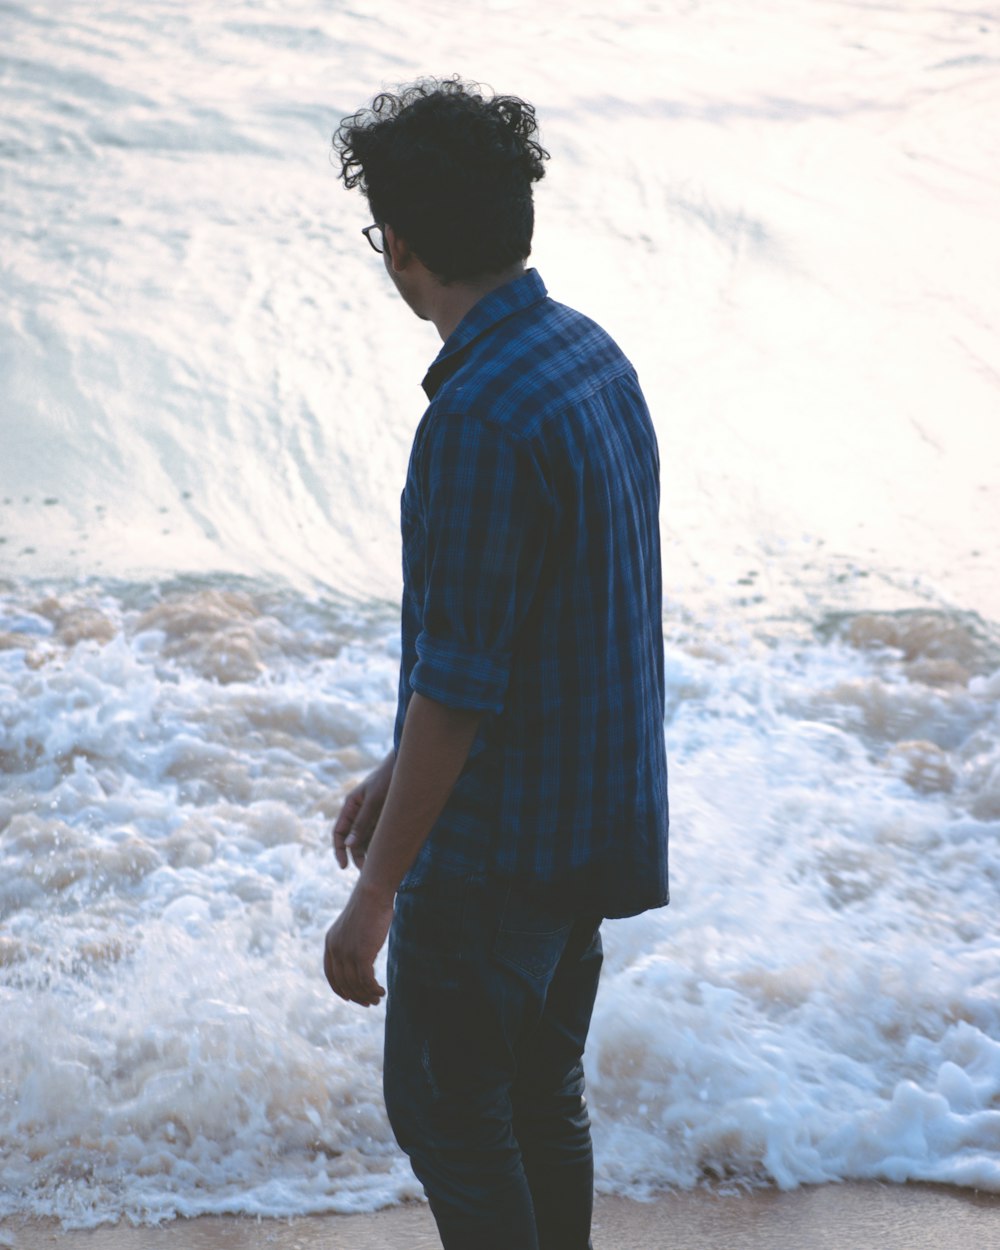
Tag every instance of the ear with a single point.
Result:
(397, 249)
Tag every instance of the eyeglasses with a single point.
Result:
(380, 245)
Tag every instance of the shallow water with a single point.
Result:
(207, 393)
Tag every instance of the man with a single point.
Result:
(526, 795)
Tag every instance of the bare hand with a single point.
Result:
(358, 817)
(352, 943)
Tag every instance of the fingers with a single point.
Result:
(366, 992)
(354, 827)
(345, 824)
(351, 947)
(360, 814)
(348, 813)
(352, 982)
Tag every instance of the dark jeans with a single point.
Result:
(490, 993)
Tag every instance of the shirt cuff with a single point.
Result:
(456, 676)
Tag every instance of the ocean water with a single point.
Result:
(786, 214)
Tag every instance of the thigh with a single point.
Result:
(573, 991)
(448, 1069)
(478, 973)
(442, 1063)
(550, 1056)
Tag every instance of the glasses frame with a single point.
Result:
(367, 232)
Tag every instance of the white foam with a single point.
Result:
(819, 1002)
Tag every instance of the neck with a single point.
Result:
(447, 305)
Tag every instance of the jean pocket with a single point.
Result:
(429, 930)
(532, 939)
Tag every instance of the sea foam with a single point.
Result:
(819, 1001)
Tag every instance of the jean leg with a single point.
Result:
(551, 1122)
(449, 1067)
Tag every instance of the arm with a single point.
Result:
(486, 519)
(432, 752)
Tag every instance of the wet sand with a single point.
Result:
(827, 1217)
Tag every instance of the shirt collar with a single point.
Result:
(506, 300)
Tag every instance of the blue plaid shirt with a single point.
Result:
(532, 592)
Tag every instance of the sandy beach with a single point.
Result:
(827, 1217)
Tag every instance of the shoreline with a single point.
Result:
(848, 1216)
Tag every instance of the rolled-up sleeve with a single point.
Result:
(485, 524)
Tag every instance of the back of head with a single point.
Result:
(450, 169)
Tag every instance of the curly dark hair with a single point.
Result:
(450, 169)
